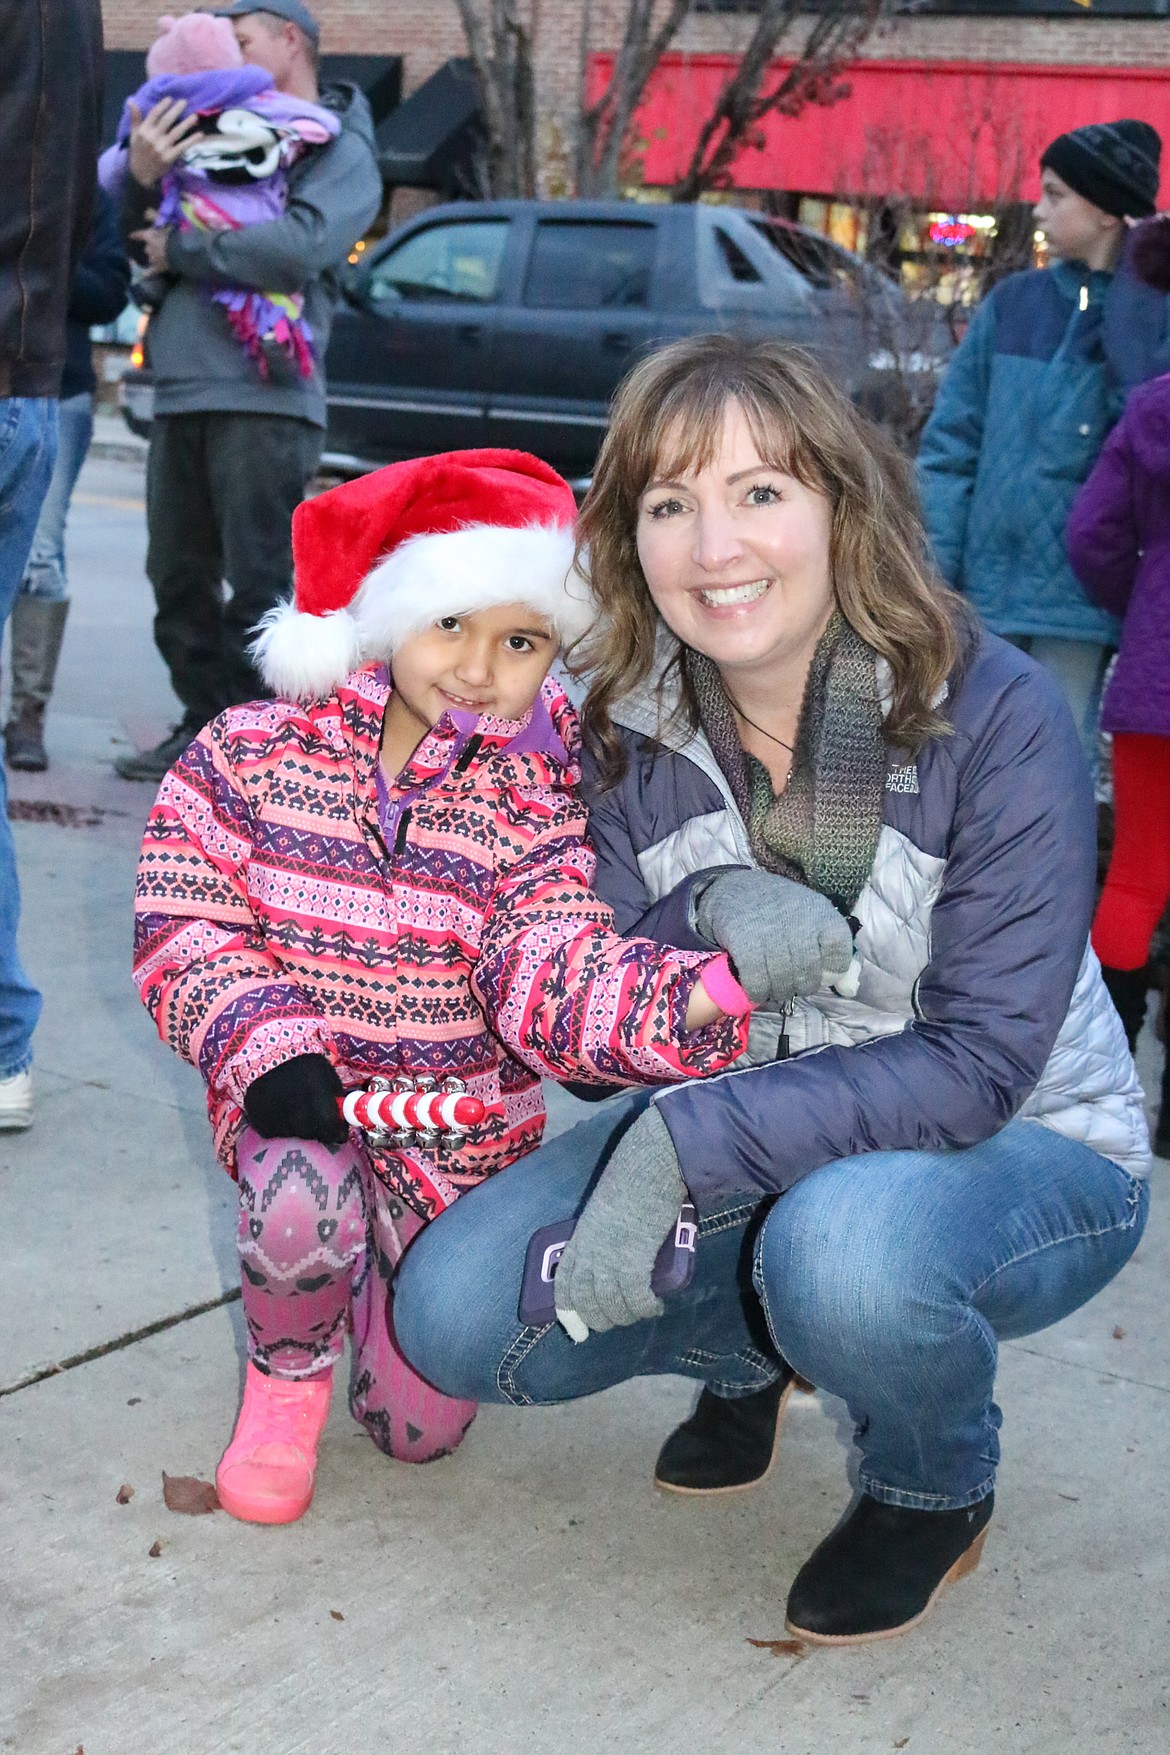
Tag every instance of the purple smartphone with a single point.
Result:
(672, 1270)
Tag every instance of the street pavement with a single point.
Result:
(532, 1592)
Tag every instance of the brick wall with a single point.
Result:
(427, 32)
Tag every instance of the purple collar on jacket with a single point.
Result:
(535, 734)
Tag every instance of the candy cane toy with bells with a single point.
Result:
(415, 1112)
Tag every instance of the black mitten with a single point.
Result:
(298, 1100)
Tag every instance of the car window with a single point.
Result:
(583, 265)
(460, 261)
(734, 260)
(822, 263)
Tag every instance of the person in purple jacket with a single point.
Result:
(938, 1150)
(1118, 540)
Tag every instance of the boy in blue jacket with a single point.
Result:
(1029, 398)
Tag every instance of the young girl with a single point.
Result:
(384, 871)
(1118, 539)
(233, 171)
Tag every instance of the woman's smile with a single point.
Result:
(733, 598)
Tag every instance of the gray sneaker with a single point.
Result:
(153, 764)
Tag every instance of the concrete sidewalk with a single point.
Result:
(531, 1593)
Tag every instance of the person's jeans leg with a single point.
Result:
(259, 466)
(1079, 668)
(28, 443)
(457, 1291)
(889, 1279)
(184, 562)
(28, 450)
(44, 575)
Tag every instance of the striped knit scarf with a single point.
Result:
(823, 828)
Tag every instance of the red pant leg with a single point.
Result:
(1138, 885)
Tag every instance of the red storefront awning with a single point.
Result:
(943, 133)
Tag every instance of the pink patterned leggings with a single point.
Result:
(319, 1240)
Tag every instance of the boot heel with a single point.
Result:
(969, 1561)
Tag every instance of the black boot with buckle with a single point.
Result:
(881, 1569)
(728, 1443)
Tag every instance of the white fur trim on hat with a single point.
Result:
(460, 571)
(304, 656)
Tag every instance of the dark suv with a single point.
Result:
(512, 322)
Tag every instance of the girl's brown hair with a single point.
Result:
(667, 420)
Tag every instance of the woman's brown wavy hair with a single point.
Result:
(667, 420)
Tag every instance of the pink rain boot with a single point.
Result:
(266, 1473)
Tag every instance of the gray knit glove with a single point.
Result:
(603, 1278)
(782, 937)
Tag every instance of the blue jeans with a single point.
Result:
(28, 446)
(44, 575)
(887, 1280)
(1079, 668)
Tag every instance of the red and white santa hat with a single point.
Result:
(383, 557)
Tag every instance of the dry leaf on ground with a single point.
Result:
(154, 1553)
(189, 1495)
(1119, 1334)
(124, 1494)
(781, 1647)
(336, 1615)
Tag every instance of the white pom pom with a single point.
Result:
(303, 657)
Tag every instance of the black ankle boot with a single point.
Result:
(1128, 989)
(726, 1445)
(880, 1571)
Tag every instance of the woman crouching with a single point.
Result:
(783, 694)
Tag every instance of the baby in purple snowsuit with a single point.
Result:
(234, 171)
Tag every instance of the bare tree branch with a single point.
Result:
(499, 44)
(500, 37)
(838, 31)
(604, 125)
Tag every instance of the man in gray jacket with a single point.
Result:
(231, 451)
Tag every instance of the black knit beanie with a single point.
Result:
(1112, 164)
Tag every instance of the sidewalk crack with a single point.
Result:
(1085, 1365)
(121, 1342)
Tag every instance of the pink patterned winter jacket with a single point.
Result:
(448, 927)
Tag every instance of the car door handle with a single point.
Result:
(617, 341)
(470, 332)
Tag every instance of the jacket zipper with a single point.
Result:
(468, 754)
(783, 1047)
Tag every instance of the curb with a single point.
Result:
(118, 451)
(113, 440)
